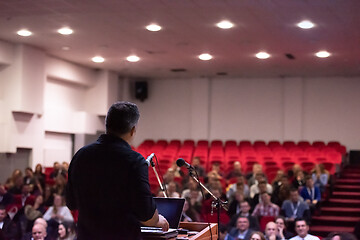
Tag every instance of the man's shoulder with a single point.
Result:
(311, 237)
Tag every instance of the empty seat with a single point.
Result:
(289, 144)
(217, 143)
(230, 143)
(189, 142)
(318, 144)
(203, 143)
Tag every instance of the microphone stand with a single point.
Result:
(218, 203)
(152, 164)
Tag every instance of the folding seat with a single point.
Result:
(334, 157)
(342, 150)
(304, 144)
(287, 165)
(245, 143)
(175, 142)
(217, 143)
(189, 142)
(271, 172)
(229, 143)
(203, 143)
(185, 153)
(161, 142)
(274, 143)
(306, 164)
(148, 142)
(333, 144)
(288, 144)
(230, 158)
(203, 154)
(330, 166)
(318, 144)
(259, 143)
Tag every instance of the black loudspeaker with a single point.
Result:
(141, 90)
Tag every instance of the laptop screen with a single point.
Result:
(171, 209)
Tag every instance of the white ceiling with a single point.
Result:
(116, 29)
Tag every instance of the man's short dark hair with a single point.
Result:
(301, 219)
(2, 207)
(121, 117)
(293, 189)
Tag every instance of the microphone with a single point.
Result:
(181, 162)
(149, 161)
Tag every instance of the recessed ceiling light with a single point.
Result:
(305, 24)
(262, 55)
(65, 31)
(98, 59)
(322, 54)
(133, 58)
(225, 24)
(153, 27)
(24, 32)
(65, 48)
(205, 56)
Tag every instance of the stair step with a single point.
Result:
(350, 175)
(343, 194)
(335, 221)
(323, 231)
(340, 202)
(348, 181)
(340, 211)
(347, 187)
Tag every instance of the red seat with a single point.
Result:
(264, 220)
(204, 143)
(289, 144)
(306, 164)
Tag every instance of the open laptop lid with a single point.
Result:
(171, 209)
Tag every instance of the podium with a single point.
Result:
(203, 228)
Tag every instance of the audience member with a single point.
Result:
(294, 208)
(271, 231)
(311, 194)
(56, 214)
(198, 168)
(16, 186)
(10, 182)
(170, 191)
(32, 212)
(9, 229)
(320, 176)
(256, 169)
(299, 179)
(189, 213)
(302, 229)
(266, 207)
(277, 180)
(215, 171)
(241, 231)
(281, 191)
(257, 236)
(234, 205)
(254, 189)
(59, 186)
(239, 186)
(39, 175)
(245, 212)
(57, 170)
(283, 233)
(28, 235)
(236, 171)
(66, 231)
(262, 187)
(341, 236)
(48, 196)
(5, 197)
(26, 197)
(39, 232)
(193, 193)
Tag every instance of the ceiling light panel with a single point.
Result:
(306, 24)
(323, 54)
(24, 33)
(133, 58)
(262, 55)
(98, 59)
(65, 31)
(153, 27)
(225, 24)
(205, 57)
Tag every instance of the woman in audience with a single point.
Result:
(282, 230)
(299, 179)
(59, 186)
(56, 214)
(320, 176)
(66, 231)
(277, 180)
(189, 213)
(257, 236)
(10, 182)
(32, 181)
(171, 191)
(39, 175)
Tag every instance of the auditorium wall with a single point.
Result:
(50, 110)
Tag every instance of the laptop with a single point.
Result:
(171, 209)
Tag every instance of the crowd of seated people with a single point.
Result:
(290, 196)
(253, 201)
(32, 205)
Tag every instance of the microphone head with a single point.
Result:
(180, 162)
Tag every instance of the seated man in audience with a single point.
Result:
(39, 232)
(235, 172)
(262, 187)
(281, 191)
(294, 208)
(254, 189)
(241, 231)
(245, 212)
(5, 197)
(256, 169)
(239, 185)
(198, 168)
(271, 231)
(171, 191)
(8, 228)
(283, 233)
(311, 194)
(28, 235)
(302, 229)
(266, 207)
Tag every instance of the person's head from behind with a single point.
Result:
(270, 229)
(257, 236)
(121, 119)
(294, 195)
(301, 227)
(38, 232)
(2, 213)
(242, 223)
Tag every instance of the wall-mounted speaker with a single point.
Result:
(141, 90)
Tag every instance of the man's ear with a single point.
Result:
(133, 131)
